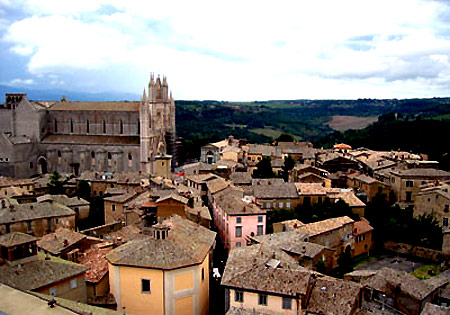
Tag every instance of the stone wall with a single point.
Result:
(416, 251)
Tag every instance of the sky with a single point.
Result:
(230, 50)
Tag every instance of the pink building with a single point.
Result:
(237, 217)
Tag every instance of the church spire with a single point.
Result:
(144, 96)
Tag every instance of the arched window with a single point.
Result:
(130, 157)
(87, 125)
(93, 154)
(71, 126)
(109, 156)
(121, 127)
(104, 126)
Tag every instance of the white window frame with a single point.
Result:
(73, 283)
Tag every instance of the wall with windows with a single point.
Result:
(435, 203)
(73, 288)
(264, 302)
(153, 291)
(126, 286)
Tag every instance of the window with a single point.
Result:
(238, 296)
(238, 231)
(288, 205)
(281, 205)
(121, 127)
(31, 165)
(409, 183)
(109, 156)
(446, 209)
(203, 274)
(145, 285)
(87, 126)
(138, 127)
(268, 205)
(445, 222)
(71, 126)
(408, 196)
(113, 207)
(287, 303)
(238, 244)
(262, 299)
(59, 153)
(238, 220)
(130, 157)
(73, 283)
(392, 179)
(52, 291)
(93, 154)
(260, 218)
(260, 230)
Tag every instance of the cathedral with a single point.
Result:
(71, 137)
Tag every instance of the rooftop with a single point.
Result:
(187, 244)
(324, 226)
(333, 296)
(97, 106)
(250, 268)
(241, 178)
(95, 260)
(40, 273)
(64, 200)
(409, 284)
(60, 240)
(293, 242)
(33, 211)
(422, 172)
(271, 190)
(231, 201)
(362, 226)
(16, 238)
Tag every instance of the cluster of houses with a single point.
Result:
(155, 251)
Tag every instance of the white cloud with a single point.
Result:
(21, 82)
(239, 50)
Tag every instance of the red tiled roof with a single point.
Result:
(96, 261)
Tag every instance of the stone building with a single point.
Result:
(72, 137)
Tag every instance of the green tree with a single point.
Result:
(56, 184)
(288, 165)
(285, 137)
(264, 169)
(83, 190)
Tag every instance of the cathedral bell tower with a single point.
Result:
(157, 123)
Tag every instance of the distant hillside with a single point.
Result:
(56, 95)
(398, 132)
(200, 122)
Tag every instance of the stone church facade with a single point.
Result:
(72, 137)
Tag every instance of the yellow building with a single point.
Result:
(164, 272)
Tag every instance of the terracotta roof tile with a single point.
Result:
(59, 240)
(96, 261)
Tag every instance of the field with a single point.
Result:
(343, 123)
(269, 132)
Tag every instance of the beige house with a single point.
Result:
(334, 233)
(275, 193)
(407, 183)
(23, 269)
(34, 218)
(264, 280)
(77, 204)
(434, 200)
(166, 271)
